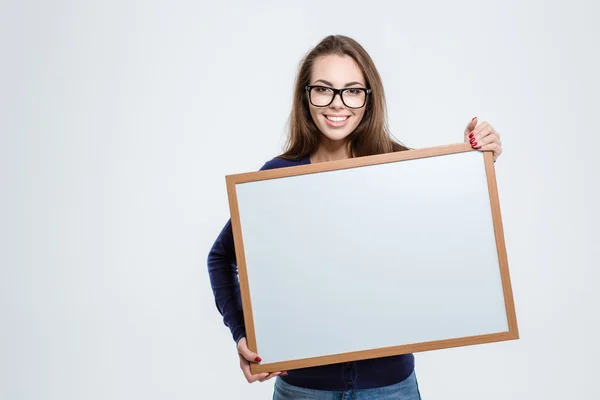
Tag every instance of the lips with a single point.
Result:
(336, 121)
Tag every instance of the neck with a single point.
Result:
(330, 150)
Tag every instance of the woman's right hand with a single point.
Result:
(246, 357)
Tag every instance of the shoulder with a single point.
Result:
(279, 162)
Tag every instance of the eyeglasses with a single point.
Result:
(322, 96)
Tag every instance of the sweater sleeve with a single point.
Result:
(223, 273)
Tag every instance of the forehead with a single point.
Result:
(336, 69)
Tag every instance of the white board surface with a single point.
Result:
(371, 257)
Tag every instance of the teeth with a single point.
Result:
(337, 119)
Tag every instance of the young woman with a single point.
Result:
(338, 112)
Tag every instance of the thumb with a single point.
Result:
(246, 352)
(471, 126)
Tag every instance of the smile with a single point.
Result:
(336, 121)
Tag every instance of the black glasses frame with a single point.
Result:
(336, 92)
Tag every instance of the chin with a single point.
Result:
(336, 135)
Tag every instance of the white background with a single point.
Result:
(119, 121)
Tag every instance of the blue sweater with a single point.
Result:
(364, 374)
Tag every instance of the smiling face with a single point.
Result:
(336, 121)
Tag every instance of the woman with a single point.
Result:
(338, 112)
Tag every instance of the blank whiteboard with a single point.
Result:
(371, 256)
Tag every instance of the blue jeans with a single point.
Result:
(408, 389)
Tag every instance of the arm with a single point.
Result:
(223, 274)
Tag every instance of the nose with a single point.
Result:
(337, 101)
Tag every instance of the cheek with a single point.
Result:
(313, 113)
(358, 117)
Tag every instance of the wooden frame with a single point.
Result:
(233, 180)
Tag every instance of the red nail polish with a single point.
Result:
(258, 359)
(475, 144)
(471, 135)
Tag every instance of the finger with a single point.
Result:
(494, 147)
(472, 138)
(257, 377)
(471, 125)
(480, 134)
(274, 374)
(248, 374)
(484, 125)
(477, 143)
(484, 137)
(246, 352)
(489, 131)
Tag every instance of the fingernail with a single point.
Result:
(474, 143)
(258, 359)
(473, 118)
(284, 374)
(471, 135)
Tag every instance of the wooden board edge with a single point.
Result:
(512, 334)
(381, 352)
(350, 163)
(241, 264)
(500, 243)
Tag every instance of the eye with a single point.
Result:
(354, 92)
(322, 90)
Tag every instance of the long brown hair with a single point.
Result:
(371, 136)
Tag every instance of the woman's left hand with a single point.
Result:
(483, 137)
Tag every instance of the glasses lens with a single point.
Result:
(321, 96)
(354, 98)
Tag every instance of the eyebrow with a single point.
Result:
(331, 84)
